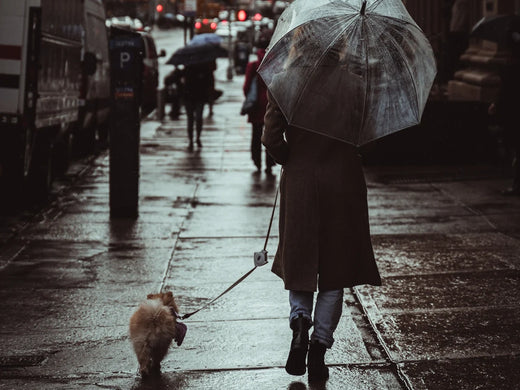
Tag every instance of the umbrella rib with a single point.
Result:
(332, 43)
(374, 5)
(398, 20)
(341, 4)
(410, 74)
(365, 100)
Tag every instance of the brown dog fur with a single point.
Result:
(152, 329)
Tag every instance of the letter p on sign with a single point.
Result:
(123, 59)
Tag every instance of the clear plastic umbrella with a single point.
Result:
(353, 70)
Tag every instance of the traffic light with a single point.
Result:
(159, 8)
(242, 15)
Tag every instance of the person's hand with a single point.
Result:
(492, 109)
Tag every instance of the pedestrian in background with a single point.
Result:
(198, 85)
(173, 86)
(212, 95)
(256, 116)
(507, 108)
(458, 36)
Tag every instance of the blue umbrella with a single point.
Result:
(204, 39)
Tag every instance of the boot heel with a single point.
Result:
(318, 371)
(299, 345)
(296, 362)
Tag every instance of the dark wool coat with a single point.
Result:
(324, 231)
(198, 82)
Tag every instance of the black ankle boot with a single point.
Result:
(318, 371)
(296, 361)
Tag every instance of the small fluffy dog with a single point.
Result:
(153, 327)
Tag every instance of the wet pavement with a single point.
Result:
(446, 241)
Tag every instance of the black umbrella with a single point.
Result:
(498, 28)
(197, 54)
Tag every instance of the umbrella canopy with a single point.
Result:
(497, 28)
(350, 69)
(207, 38)
(196, 54)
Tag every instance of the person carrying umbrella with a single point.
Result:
(339, 73)
(256, 116)
(198, 80)
(197, 90)
(507, 106)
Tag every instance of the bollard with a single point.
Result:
(126, 62)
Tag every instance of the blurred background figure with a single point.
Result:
(215, 93)
(506, 109)
(458, 36)
(256, 116)
(174, 91)
(198, 85)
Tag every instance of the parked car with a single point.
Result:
(133, 24)
(205, 25)
(150, 74)
(54, 56)
(95, 83)
(170, 20)
(239, 31)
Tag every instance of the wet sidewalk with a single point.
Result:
(447, 244)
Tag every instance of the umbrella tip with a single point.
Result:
(363, 7)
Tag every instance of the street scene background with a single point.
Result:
(447, 244)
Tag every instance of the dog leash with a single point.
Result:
(260, 259)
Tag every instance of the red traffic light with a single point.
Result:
(241, 15)
(159, 8)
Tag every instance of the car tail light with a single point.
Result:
(213, 26)
(205, 21)
(198, 25)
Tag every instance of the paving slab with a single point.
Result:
(448, 334)
(414, 254)
(497, 372)
(342, 378)
(445, 291)
(229, 221)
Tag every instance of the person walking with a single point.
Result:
(173, 87)
(256, 116)
(213, 95)
(506, 108)
(324, 237)
(458, 36)
(325, 99)
(197, 89)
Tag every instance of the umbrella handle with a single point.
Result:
(363, 7)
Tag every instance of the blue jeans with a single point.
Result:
(329, 305)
